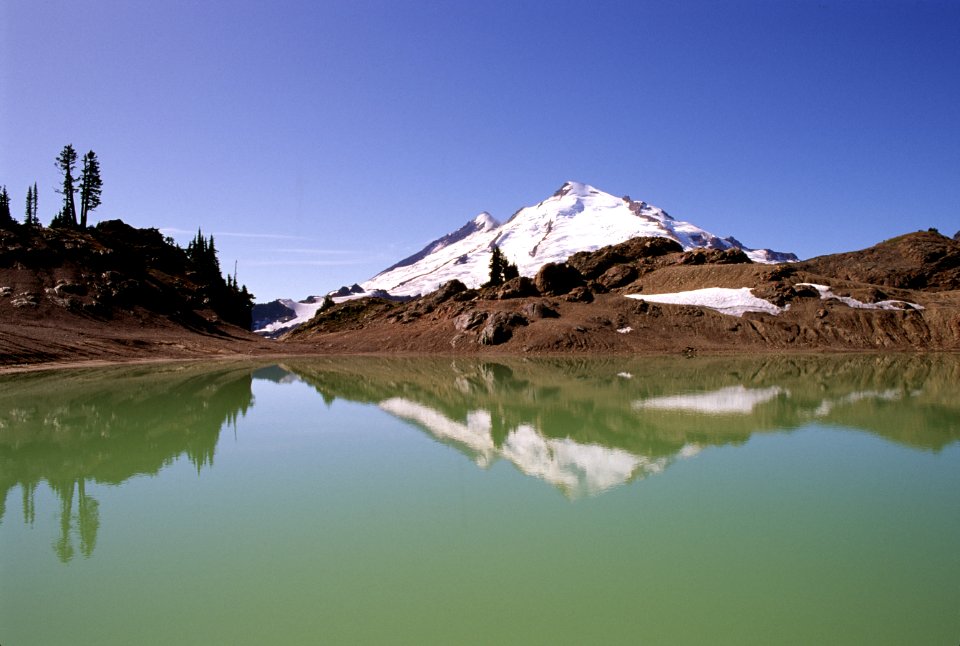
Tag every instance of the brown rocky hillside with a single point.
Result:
(111, 292)
(581, 307)
(924, 260)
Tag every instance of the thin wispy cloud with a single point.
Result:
(265, 236)
(234, 234)
(330, 252)
(302, 263)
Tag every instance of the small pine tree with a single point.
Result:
(496, 267)
(5, 217)
(501, 269)
(61, 220)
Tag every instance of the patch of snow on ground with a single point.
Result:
(735, 302)
(304, 312)
(826, 294)
(733, 400)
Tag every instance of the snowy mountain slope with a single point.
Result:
(303, 310)
(576, 218)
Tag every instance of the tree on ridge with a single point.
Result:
(66, 162)
(90, 186)
(5, 217)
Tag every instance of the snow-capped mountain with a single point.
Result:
(578, 217)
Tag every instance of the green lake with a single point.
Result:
(801, 500)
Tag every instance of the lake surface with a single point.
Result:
(660, 501)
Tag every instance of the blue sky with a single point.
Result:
(322, 141)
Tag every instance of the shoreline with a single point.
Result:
(81, 364)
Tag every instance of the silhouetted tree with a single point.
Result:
(66, 162)
(5, 217)
(30, 217)
(496, 267)
(28, 213)
(501, 269)
(227, 296)
(90, 186)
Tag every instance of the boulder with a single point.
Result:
(469, 320)
(539, 310)
(580, 295)
(447, 291)
(555, 279)
(519, 287)
(618, 276)
(499, 327)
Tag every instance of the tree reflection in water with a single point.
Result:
(583, 425)
(105, 426)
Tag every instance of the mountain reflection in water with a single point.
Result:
(582, 425)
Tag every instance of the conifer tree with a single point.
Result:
(32, 218)
(501, 269)
(90, 186)
(28, 214)
(66, 162)
(5, 217)
(496, 267)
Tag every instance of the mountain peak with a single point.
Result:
(577, 189)
(578, 217)
(485, 222)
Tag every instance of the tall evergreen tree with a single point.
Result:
(66, 162)
(28, 214)
(35, 218)
(5, 217)
(90, 186)
(496, 267)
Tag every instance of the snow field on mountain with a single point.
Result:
(304, 312)
(576, 218)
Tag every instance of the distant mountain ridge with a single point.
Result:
(577, 217)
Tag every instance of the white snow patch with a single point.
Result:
(725, 300)
(733, 400)
(827, 294)
(304, 312)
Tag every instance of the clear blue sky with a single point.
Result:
(322, 141)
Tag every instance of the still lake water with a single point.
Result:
(661, 501)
